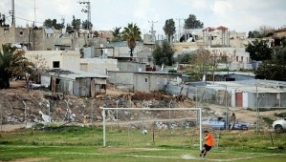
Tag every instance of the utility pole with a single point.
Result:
(152, 30)
(34, 25)
(13, 13)
(87, 11)
(179, 19)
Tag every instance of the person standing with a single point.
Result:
(209, 141)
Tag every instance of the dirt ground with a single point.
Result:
(12, 94)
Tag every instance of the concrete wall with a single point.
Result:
(69, 60)
(121, 49)
(148, 82)
(121, 77)
(96, 65)
(131, 66)
(38, 39)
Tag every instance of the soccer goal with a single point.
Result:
(139, 127)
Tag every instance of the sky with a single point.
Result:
(238, 15)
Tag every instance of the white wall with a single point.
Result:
(69, 60)
(97, 65)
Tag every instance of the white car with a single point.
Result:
(279, 125)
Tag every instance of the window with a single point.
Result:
(21, 33)
(56, 64)
(146, 80)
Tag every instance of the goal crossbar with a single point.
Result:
(142, 109)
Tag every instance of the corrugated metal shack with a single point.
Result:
(82, 84)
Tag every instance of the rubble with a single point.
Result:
(38, 106)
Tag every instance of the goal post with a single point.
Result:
(145, 118)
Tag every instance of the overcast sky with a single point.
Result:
(238, 15)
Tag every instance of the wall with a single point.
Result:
(131, 66)
(36, 37)
(187, 47)
(121, 49)
(68, 59)
(121, 77)
(151, 81)
(100, 66)
(71, 60)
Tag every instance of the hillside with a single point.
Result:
(18, 105)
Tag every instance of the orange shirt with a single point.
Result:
(209, 140)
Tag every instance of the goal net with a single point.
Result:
(143, 127)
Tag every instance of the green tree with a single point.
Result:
(254, 34)
(280, 54)
(75, 23)
(69, 27)
(272, 70)
(86, 25)
(48, 23)
(117, 35)
(169, 29)
(192, 23)
(163, 54)
(53, 23)
(185, 58)
(259, 50)
(131, 34)
(13, 63)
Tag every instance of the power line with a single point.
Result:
(25, 19)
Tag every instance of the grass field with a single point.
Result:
(77, 144)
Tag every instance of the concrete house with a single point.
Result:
(98, 65)
(142, 81)
(41, 38)
(55, 59)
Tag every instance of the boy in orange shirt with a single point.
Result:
(208, 143)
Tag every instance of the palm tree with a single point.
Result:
(117, 36)
(13, 63)
(131, 34)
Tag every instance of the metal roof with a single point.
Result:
(254, 86)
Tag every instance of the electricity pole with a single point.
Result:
(87, 11)
(152, 31)
(13, 13)
(179, 19)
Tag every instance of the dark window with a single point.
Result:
(146, 80)
(56, 64)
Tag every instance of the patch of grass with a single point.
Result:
(72, 143)
(281, 115)
(267, 120)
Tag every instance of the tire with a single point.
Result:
(278, 128)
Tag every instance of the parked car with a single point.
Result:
(279, 125)
(220, 123)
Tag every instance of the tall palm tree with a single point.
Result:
(131, 34)
(13, 63)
